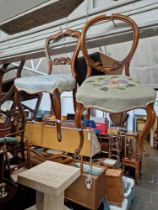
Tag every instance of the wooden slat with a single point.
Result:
(30, 44)
(44, 13)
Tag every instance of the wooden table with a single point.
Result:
(49, 179)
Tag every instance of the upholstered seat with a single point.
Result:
(114, 94)
(46, 83)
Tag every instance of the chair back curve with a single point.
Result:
(57, 37)
(109, 65)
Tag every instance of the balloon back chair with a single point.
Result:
(7, 88)
(113, 92)
(54, 84)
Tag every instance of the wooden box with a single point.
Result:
(89, 198)
(33, 133)
(70, 140)
(43, 135)
(114, 186)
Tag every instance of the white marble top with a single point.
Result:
(49, 177)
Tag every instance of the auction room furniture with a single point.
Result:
(41, 134)
(9, 124)
(115, 147)
(114, 186)
(7, 96)
(113, 93)
(89, 189)
(50, 180)
(7, 84)
(8, 73)
(132, 156)
(54, 84)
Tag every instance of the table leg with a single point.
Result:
(49, 202)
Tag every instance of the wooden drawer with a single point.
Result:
(89, 198)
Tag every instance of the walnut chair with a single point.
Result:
(114, 92)
(54, 84)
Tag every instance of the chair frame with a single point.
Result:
(55, 95)
(124, 63)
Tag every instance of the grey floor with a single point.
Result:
(147, 190)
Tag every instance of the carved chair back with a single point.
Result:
(107, 64)
(50, 49)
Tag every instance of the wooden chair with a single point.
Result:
(7, 88)
(12, 134)
(9, 124)
(7, 85)
(113, 92)
(54, 84)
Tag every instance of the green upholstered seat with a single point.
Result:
(8, 139)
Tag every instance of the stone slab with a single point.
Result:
(49, 177)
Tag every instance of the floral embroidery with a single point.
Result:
(109, 82)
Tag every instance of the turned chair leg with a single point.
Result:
(74, 97)
(39, 99)
(151, 116)
(21, 110)
(78, 118)
(56, 105)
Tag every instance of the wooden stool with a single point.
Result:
(50, 180)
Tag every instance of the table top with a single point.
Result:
(49, 177)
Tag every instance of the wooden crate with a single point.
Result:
(70, 140)
(114, 186)
(89, 198)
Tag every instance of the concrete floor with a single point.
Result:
(147, 190)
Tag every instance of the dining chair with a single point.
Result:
(115, 92)
(54, 84)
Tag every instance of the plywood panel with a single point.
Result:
(43, 135)
(33, 133)
(44, 13)
(70, 140)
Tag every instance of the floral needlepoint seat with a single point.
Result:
(114, 94)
